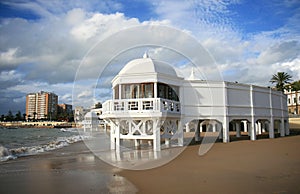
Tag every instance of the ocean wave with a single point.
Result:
(10, 154)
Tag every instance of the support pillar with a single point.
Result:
(156, 136)
(112, 137)
(197, 131)
(214, 127)
(136, 142)
(263, 126)
(287, 128)
(259, 131)
(245, 126)
(226, 138)
(117, 135)
(238, 129)
(253, 131)
(187, 127)
(200, 129)
(282, 130)
(271, 129)
(180, 134)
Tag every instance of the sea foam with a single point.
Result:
(10, 154)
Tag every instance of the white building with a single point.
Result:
(151, 102)
(293, 100)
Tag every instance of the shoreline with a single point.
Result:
(71, 169)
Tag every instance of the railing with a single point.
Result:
(141, 105)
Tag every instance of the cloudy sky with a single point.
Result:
(43, 43)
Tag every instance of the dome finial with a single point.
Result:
(192, 76)
(146, 55)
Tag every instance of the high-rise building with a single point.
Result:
(41, 105)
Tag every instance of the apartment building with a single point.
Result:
(41, 105)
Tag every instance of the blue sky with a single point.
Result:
(43, 42)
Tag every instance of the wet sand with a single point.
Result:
(262, 166)
(72, 169)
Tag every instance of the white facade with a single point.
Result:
(151, 102)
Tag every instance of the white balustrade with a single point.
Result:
(141, 105)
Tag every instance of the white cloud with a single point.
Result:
(45, 54)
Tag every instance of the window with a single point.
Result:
(147, 90)
(116, 91)
(167, 92)
(289, 101)
(295, 99)
(132, 91)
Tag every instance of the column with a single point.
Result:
(238, 129)
(112, 139)
(117, 135)
(156, 135)
(245, 126)
(180, 133)
(263, 126)
(271, 128)
(253, 131)
(187, 127)
(200, 129)
(136, 142)
(226, 130)
(214, 127)
(282, 130)
(287, 127)
(259, 128)
(197, 131)
(155, 90)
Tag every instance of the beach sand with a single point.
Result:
(262, 166)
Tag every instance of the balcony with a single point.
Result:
(140, 106)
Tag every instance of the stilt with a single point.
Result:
(253, 131)
(238, 129)
(187, 127)
(282, 130)
(287, 128)
(245, 126)
(226, 131)
(156, 138)
(197, 132)
(271, 129)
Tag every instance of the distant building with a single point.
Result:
(41, 105)
(64, 112)
(64, 108)
(79, 113)
(293, 100)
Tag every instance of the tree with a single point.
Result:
(34, 115)
(98, 105)
(281, 79)
(295, 86)
(18, 116)
(9, 116)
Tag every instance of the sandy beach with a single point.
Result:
(262, 166)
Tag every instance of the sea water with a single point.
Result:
(19, 142)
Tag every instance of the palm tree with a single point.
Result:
(295, 86)
(281, 79)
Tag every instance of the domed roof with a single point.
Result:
(147, 65)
